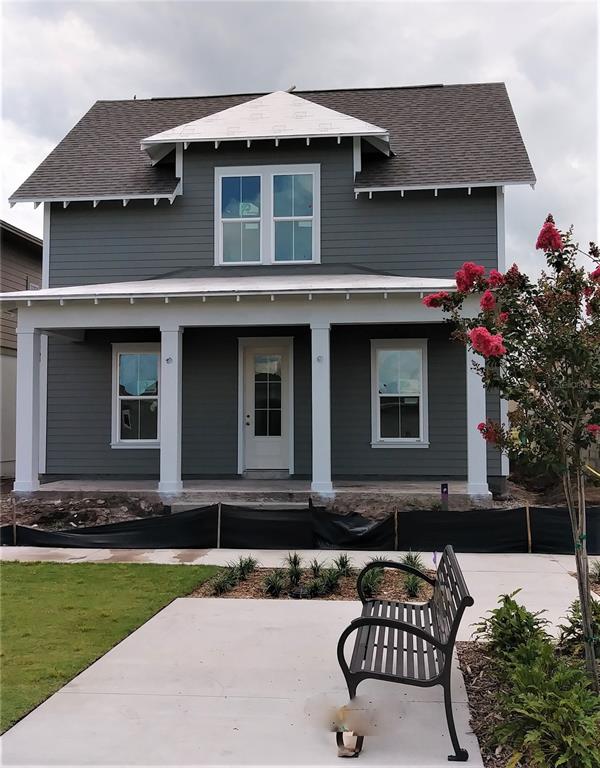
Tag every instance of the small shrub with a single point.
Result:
(595, 572)
(316, 568)
(412, 585)
(550, 715)
(331, 579)
(294, 568)
(509, 626)
(570, 640)
(315, 587)
(245, 566)
(274, 583)
(413, 559)
(372, 581)
(343, 564)
(225, 581)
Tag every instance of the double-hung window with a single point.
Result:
(399, 392)
(267, 214)
(136, 374)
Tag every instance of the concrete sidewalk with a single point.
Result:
(544, 580)
(232, 682)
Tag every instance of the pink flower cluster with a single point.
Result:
(486, 343)
(435, 300)
(489, 431)
(488, 301)
(549, 238)
(593, 429)
(595, 275)
(496, 279)
(468, 275)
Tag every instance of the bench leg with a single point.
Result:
(460, 754)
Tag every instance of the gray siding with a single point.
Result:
(352, 453)
(79, 404)
(418, 234)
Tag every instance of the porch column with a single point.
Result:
(170, 410)
(476, 447)
(321, 410)
(27, 456)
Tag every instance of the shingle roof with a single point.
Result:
(448, 134)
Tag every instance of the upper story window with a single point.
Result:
(267, 214)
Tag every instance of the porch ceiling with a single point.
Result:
(244, 285)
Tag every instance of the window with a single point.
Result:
(267, 215)
(399, 392)
(136, 375)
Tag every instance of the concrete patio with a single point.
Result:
(224, 682)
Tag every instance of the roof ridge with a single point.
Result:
(257, 94)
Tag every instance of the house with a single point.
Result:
(235, 288)
(20, 270)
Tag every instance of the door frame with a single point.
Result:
(243, 343)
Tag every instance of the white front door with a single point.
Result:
(267, 406)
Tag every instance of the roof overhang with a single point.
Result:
(96, 199)
(234, 287)
(442, 185)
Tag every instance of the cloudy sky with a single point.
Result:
(59, 57)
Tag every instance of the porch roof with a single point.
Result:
(243, 285)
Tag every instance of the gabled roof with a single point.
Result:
(439, 135)
(276, 115)
(10, 229)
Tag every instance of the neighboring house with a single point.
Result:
(236, 283)
(20, 270)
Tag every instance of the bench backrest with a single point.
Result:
(450, 596)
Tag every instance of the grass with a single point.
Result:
(57, 618)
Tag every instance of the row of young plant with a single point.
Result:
(316, 580)
(548, 712)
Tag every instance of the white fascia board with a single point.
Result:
(462, 185)
(382, 139)
(93, 198)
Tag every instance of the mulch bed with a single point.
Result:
(392, 588)
(482, 689)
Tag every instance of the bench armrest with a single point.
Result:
(374, 621)
(389, 564)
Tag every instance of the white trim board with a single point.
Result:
(243, 343)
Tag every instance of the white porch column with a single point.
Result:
(476, 447)
(170, 410)
(28, 411)
(321, 409)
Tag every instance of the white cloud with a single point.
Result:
(544, 51)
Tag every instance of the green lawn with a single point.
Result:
(57, 618)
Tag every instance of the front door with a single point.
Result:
(266, 400)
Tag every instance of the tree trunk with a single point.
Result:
(578, 525)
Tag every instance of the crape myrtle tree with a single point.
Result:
(539, 343)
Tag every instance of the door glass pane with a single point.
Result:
(389, 416)
(267, 395)
(409, 417)
(138, 374)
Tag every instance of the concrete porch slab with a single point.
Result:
(253, 490)
(222, 682)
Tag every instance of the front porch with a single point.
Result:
(333, 421)
(261, 492)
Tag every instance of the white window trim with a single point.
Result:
(267, 218)
(119, 349)
(399, 442)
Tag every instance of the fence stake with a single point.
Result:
(219, 526)
(396, 530)
(14, 521)
(528, 517)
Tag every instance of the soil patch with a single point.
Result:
(482, 689)
(392, 588)
(61, 514)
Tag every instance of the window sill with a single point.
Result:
(403, 444)
(135, 445)
(264, 263)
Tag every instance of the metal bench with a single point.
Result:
(410, 643)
